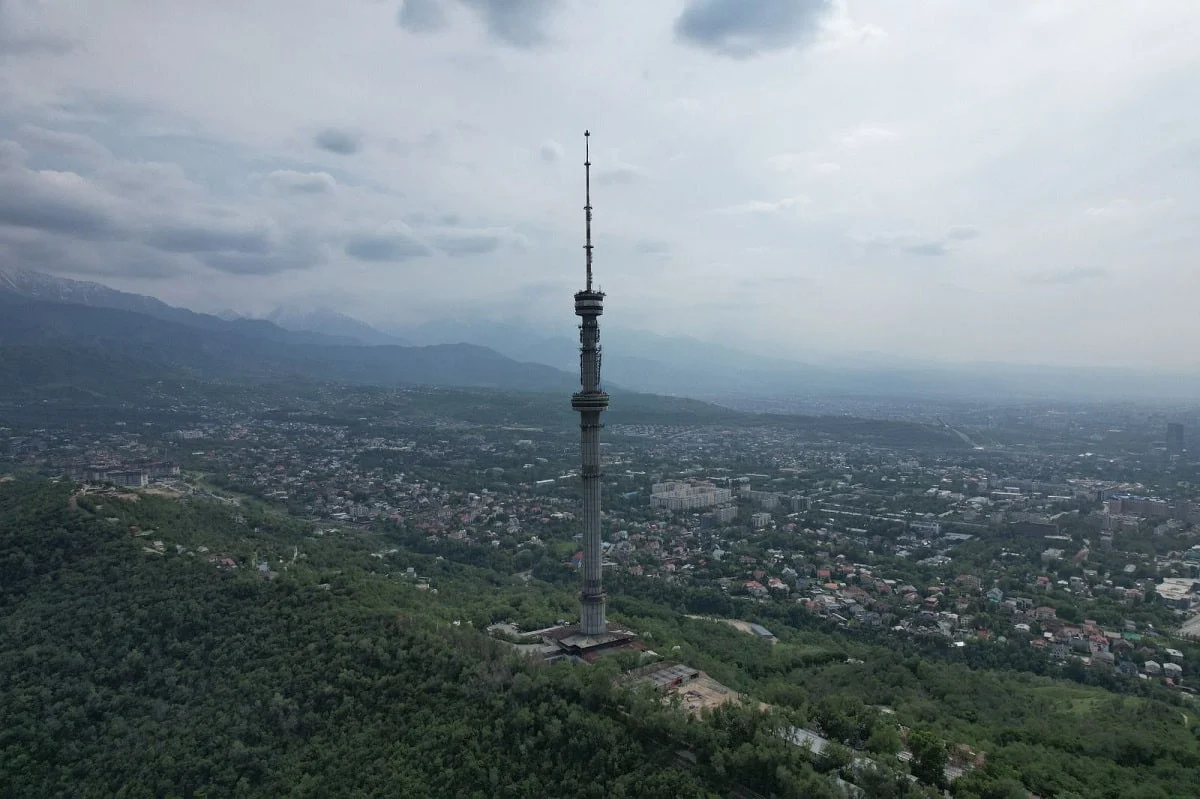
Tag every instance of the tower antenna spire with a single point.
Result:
(587, 177)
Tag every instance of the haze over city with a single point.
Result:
(943, 181)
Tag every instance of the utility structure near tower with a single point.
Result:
(590, 401)
(594, 635)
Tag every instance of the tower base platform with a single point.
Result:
(571, 644)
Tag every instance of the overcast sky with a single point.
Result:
(1015, 181)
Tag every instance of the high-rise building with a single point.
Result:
(676, 496)
(594, 634)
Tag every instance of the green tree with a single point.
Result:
(928, 757)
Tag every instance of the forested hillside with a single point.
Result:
(135, 662)
(131, 674)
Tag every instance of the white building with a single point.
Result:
(676, 496)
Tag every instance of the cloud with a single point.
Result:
(550, 151)
(763, 207)
(185, 154)
(466, 242)
(841, 31)
(397, 245)
(621, 174)
(914, 244)
(201, 239)
(926, 248)
(338, 141)
(651, 247)
(63, 203)
(421, 16)
(1123, 208)
(16, 38)
(519, 23)
(287, 181)
(458, 242)
(793, 162)
(1078, 274)
(62, 143)
(135, 219)
(683, 106)
(61, 255)
(746, 28)
(1118, 207)
(260, 263)
(866, 135)
(786, 162)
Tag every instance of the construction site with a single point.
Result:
(695, 689)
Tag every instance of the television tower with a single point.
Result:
(590, 401)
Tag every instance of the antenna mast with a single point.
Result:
(587, 172)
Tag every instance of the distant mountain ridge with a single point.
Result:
(41, 313)
(635, 360)
(333, 323)
(684, 366)
(41, 286)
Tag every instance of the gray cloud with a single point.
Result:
(913, 244)
(200, 239)
(1069, 276)
(550, 151)
(338, 141)
(927, 248)
(251, 263)
(962, 233)
(61, 143)
(386, 247)
(132, 219)
(58, 202)
(421, 16)
(11, 154)
(619, 175)
(519, 23)
(651, 247)
(16, 40)
(763, 207)
(474, 241)
(467, 242)
(701, 131)
(22, 45)
(65, 256)
(287, 181)
(745, 28)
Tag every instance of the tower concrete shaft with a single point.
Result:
(590, 401)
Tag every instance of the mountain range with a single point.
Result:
(57, 325)
(326, 344)
(685, 366)
(332, 323)
(84, 345)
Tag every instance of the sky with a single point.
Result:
(932, 179)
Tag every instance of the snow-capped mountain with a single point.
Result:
(41, 286)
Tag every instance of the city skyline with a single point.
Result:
(945, 183)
